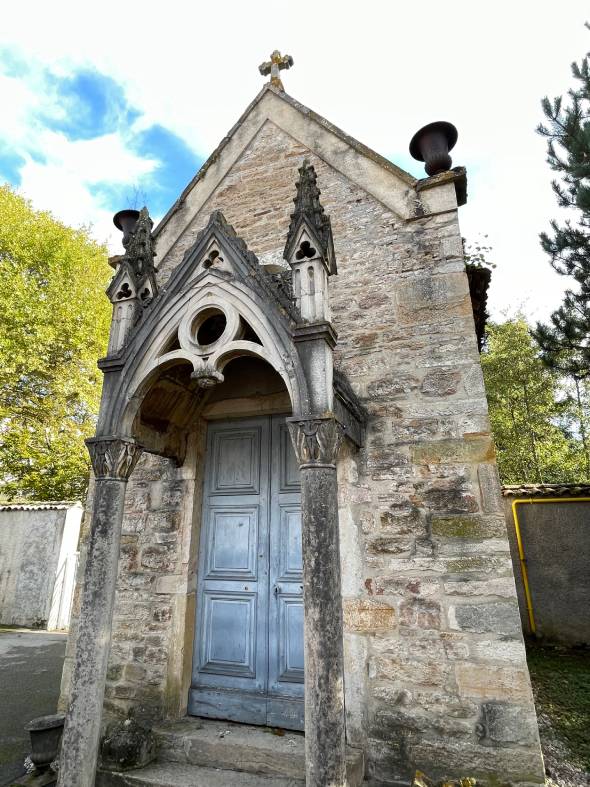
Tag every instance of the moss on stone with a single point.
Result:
(460, 527)
(471, 563)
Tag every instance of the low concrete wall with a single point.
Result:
(38, 554)
(555, 539)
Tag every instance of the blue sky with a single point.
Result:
(85, 114)
(111, 105)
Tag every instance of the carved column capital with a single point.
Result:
(113, 457)
(316, 440)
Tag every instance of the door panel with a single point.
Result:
(229, 635)
(248, 663)
(237, 461)
(285, 668)
(232, 543)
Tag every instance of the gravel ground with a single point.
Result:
(30, 674)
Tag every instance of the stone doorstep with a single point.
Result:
(205, 753)
(178, 774)
(243, 747)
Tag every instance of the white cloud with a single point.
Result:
(379, 71)
(63, 183)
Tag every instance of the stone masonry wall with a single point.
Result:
(436, 675)
(436, 669)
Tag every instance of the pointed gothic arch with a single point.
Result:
(234, 286)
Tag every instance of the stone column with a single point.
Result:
(113, 459)
(316, 442)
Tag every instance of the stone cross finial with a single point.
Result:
(274, 66)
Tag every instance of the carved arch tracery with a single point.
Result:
(242, 294)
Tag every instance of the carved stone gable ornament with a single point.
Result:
(309, 218)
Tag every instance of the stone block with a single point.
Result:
(420, 613)
(425, 673)
(500, 617)
(468, 527)
(499, 649)
(481, 565)
(440, 383)
(390, 545)
(449, 498)
(424, 300)
(446, 758)
(126, 746)
(472, 449)
(420, 587)
(397, 386)
(364, 616)
(128, 553)
(162, 613)
(489, 486)
(498, 586)
(162, 521)
(158, 557)
(490, 681)
(503, 724)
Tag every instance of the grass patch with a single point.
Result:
(561, 682)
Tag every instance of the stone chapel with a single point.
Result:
(296, 564)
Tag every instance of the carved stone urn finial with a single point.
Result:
(125, 220)
(432, 144)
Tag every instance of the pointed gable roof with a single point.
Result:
(390, 184)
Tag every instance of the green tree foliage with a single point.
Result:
(565, 340)
(529, 419)
(54, 322)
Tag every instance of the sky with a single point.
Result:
(111, 105)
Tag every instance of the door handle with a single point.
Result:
(276, 591)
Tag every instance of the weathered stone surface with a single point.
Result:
(420, 613)
(475, 448)
(423, 673)
(502, 723)
(441, 756)
(441, 383)
(499, 617)
(489, 485)
(491, 681)
(468, 527)
(363, 615)
(499, 586)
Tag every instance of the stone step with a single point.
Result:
(242, 747)
(178, 774)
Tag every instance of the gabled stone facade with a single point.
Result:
(434, 664)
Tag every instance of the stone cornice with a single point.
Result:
(308, 332)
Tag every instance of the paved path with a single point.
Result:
(30, 674)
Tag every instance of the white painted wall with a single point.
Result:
(38, 557)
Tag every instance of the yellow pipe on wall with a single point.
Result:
(523, 568)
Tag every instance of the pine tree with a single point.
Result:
(565, 341)
(568, 153)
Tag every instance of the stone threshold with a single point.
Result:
(199, 752)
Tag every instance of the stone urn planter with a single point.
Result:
(432, 145)
(45, 732)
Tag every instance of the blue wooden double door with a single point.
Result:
(248, 654)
